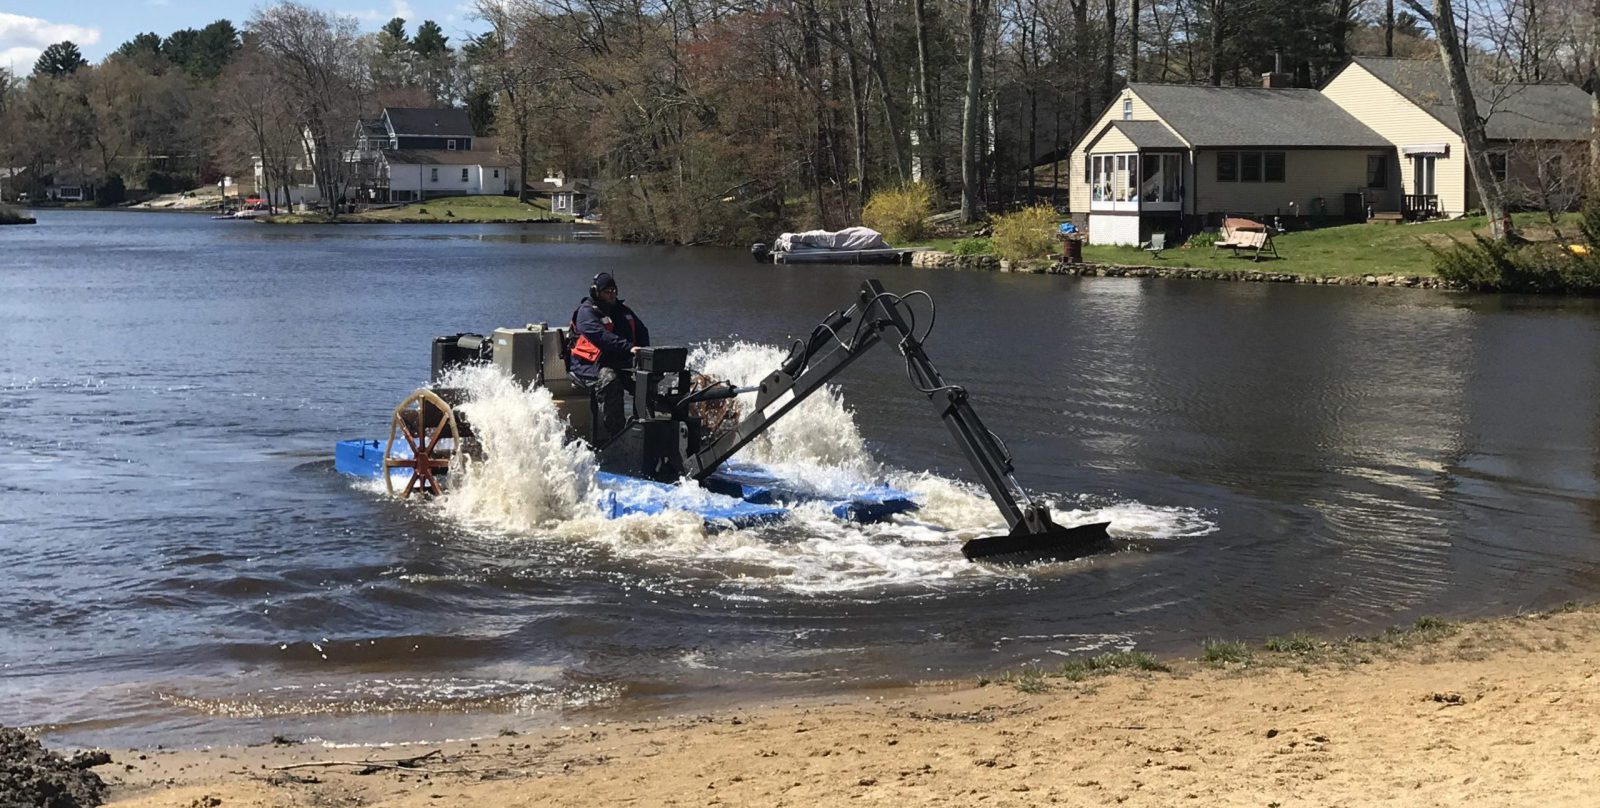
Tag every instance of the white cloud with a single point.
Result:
(22, 39)
(19, 60)
(397, 8)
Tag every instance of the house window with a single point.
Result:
(1127, 109)
(1227, 166)
(1088, 167)
(464, 174)
(1159, 180)
(497, 173)
(1377, 171)
(1250, 166)
(1273, 165)
(433, 175)
(450, 144)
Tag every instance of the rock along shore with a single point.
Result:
(932, 259)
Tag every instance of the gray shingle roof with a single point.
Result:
(429, 122)
(1255, 116)
(1149, 134)
(1511, 111)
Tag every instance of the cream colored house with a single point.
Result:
(1532, 129)
(1380, 138)
(1177, 158)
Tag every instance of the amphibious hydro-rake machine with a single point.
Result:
(682, 426)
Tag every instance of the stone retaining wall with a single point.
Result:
(930, 259)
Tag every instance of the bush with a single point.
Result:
(899, 213)
(972, 246)
(160, 182)
(111, 192)
(1202, 240)
(1500, 266)
(1027, 233)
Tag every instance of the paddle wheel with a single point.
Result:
(425, 442)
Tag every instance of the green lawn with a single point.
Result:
(467, 209)
(1356, 249)
(443, 209)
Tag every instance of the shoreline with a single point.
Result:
(934, 259)
(1492, 712)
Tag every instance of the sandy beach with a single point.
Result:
(1502, 712)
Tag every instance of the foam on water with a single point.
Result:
(533, 482)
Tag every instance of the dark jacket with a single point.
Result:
(602, 338)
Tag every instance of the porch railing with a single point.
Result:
(1419, 206)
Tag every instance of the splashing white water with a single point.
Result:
(819, 432)
(534, 481)
(532, 474)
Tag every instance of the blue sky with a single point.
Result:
(99, 26)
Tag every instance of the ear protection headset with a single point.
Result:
(594, 286)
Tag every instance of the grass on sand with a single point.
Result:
(1355, 249)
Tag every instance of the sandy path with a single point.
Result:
(1496, 714)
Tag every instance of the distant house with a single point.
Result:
(69, 186)
(414, 174)
(417, 128)
(1408, 102)
(549, 185)
(408, 154)
(1176, 158)
(1380, 138)
(578, 197)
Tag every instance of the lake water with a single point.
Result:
(184, 566)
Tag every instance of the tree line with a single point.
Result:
(717, 120)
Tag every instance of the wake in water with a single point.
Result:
(533, 482)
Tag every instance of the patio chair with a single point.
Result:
(1157, 243)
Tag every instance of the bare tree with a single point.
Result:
(315, 55)
(1453, 55)
(252, 106)
(1545, 175)
(972, 108)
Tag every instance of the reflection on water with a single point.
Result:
(184, 566)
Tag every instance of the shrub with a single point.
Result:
(899, 213)
(160, 182)
(1293, 644)
(972, 246)
(1501, 266)
(111, 192)
(1202, 240)
(1218, 652)
(1027, 233)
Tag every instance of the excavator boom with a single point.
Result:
(836, 343)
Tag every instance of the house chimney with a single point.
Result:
(1277, 79)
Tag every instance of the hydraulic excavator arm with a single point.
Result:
(836, 343)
